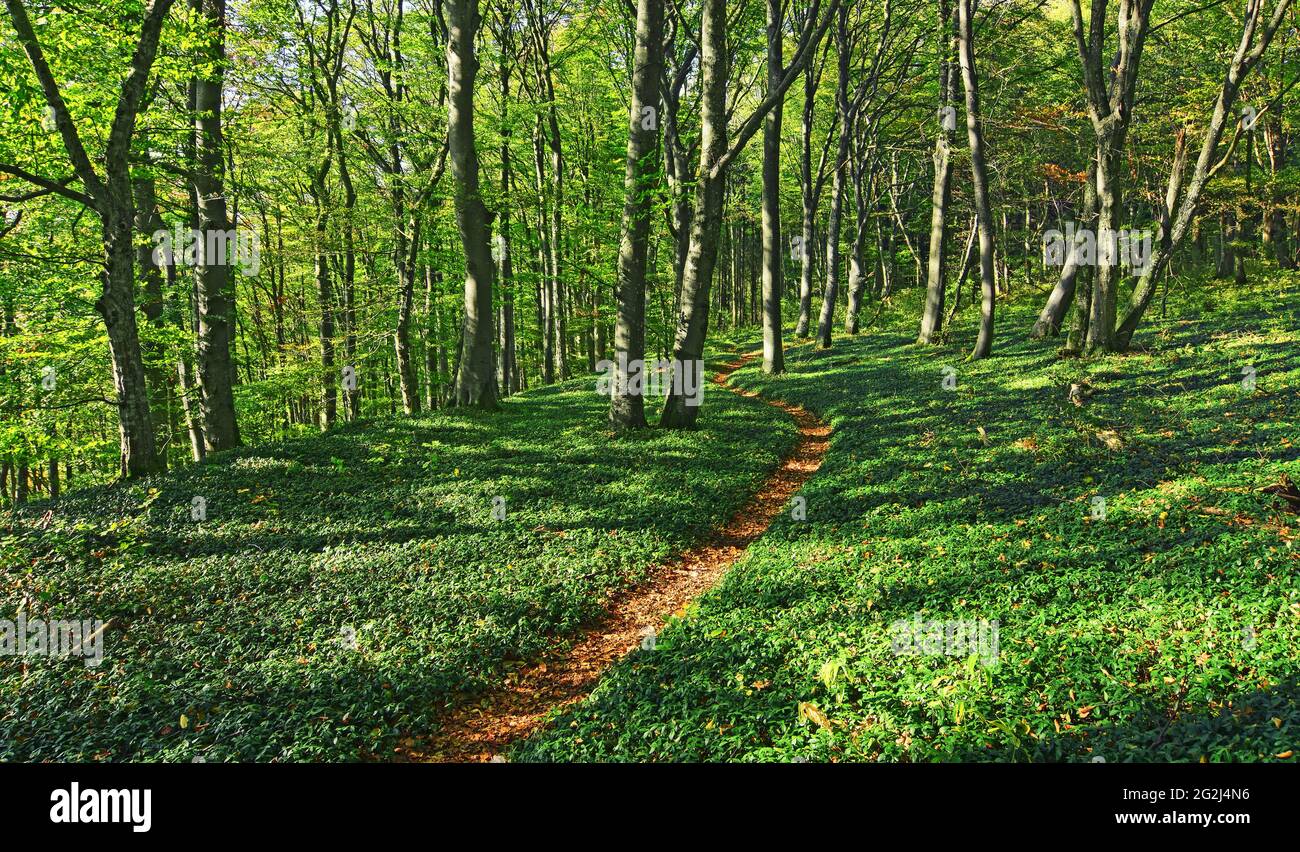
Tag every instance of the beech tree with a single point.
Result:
(213, 285)
(476, 374)
(979, 177)
(935, 292)
(716, 155)
(627, 402)
(108, 194)
(601, 179)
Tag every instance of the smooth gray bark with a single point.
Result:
(627, 404)
(773, 261)
(941, 190)
(979, 178)
(476, 371)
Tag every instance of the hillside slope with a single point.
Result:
(1160, 624)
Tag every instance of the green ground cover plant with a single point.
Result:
(345, 588)
(1165, 630)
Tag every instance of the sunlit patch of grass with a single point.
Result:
(1160, 624)
(384, 532)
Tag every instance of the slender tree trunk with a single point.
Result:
(186, 388)
(932, 314)
(476, 372)
(1058, 302)
(1226, 261)
(858, 253)
(1078, 335)
(546, 285)
(885, 272)
(215, 286)
(407, 251)
(773, 260)
(701, 258)
(1277, 142)
(432, 337)
(627, 404)
(352, 393)
(836, 217)
(809, 200)
(979, 179)
(329, 394)
(148, 222)
(507, 327)
(53, 471)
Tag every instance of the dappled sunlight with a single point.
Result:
(1122, 547)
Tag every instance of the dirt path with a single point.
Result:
(482, 730)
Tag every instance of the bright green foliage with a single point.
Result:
(1165, 631)
(383, 531)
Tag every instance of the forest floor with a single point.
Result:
(344, 591)
(1139, 588)
(484, 728)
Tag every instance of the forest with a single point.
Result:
(649, 380)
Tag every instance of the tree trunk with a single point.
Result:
(148, 222)
(139, 453)
(407, 250)
(627, 406)
(476, 372)
(979, 180)
(858, 254)
(1101, 323)
(1058, 302)
(809, 200)
(351, 393)
(1111, 93)
(773, 258)
(836, 217)
(546, 283)
(432, 338)
(215, 287)
(932, 314)
(701, 258)
(1277, 142)
(507, 327)
(329, 394)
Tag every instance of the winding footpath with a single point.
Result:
(483, 729)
